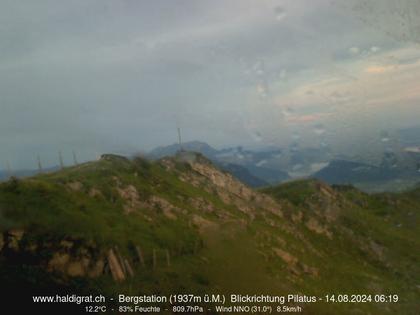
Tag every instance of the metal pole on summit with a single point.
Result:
(179, 139)
(60, 157)
(39, 164)
(9, 169)
(75, 158)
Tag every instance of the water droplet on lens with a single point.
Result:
(354, 50)
(257, 136)
(374, 49)
(297, 167)
(280, 13)
(319, 129)
(262, 90)
(287, 112)
(283, 75)
(295, 136)
(259, 68)
(385, 136)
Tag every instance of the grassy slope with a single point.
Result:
(231, 255)
(388, 220)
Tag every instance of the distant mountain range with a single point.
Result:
(409, 136)
(4, 175)
(270, 166)
(368, 177)
(397, 170)
(347, 172)
(18, 173)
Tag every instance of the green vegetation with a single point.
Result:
(295, 191)
(198, 236)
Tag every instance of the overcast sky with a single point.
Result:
(100, 76)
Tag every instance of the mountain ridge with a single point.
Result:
(108, 226)
(250, 173)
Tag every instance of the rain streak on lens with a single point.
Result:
(280, 13)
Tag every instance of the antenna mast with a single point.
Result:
(60, 157)
(75, 158)
(39, 164)
(179, 139)
(9, 169)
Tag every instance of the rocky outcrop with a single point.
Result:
(13, 238)
(313, 225)
(202, 204)
(67, 257)
(95, 193)
(288, 258)
(75, 186)
(131, 198)
(165, 206)
(294, 265)
(206, 176)
(202, 223)
(76, 266)
(134, 203)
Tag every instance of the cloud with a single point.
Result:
(378, 69)
(102, 75)
(307, 118)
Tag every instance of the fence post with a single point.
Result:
(60, 158)
(140, 255)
